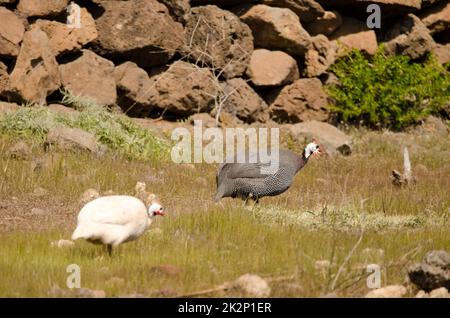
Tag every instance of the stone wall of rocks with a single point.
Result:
(251, 61)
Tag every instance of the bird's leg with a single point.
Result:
(109, 248)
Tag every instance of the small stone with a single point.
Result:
(90, 293)
(391, 291)
(439, 293)
(422, 294)
(252, 286)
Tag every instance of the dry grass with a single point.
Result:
(319, 218)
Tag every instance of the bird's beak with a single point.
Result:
(160, 213)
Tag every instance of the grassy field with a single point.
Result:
(334, 202)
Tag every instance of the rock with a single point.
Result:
(133, 87)
(19, 151)
(207, 120)
(320, 57)
(389, 8)
(442, 53)
(63, 39)
(40, 192)
(276, 29)
(89, 195)
(183, 90)
(61, 109)
(272, 68)
(331, 139)
(4, 79)
(439, 293)
(129, 30)
(391, 291)
(35, 74)
(89, 293)
(219, 39)
(252, 286)
(354, 34)
(409, 37)
(326, 25)
(72, 139)
(167, 269)
(433, 272)
(12, 30)
(62, 243)
(42, 7)
(90, 76)
(242, 100)
(8, 107)
(437, 18)
(178, 9)
(422, 294)
(307, 10)
(303, 100)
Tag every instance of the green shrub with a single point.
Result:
(388, 92)
(116, 131)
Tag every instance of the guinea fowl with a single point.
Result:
(115, 219)
(245, 180)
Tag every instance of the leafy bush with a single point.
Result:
(116, 131)
(390, 92)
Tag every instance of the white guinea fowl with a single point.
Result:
(115, 219)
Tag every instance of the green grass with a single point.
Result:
(116, 131)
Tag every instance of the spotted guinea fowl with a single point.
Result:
(245, 180)
(113, 220)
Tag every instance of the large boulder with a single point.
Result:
(433, 272)
(64, 39)
(219, 39)
(301, 101)
(141, 31)
(133, 87)
(307, 10)
(409, 37)
(320, 57)
(11, 33)
(184, 89)
(90, 76)
(437, 18)
(276, 29)
(42, 7)
(326, 24)
(331, 139)
(272, 68)
(36, 73)
(72, 139)
(242, 101)
(354, 34)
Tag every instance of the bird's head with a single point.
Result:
(312, 148)
(155, 209)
